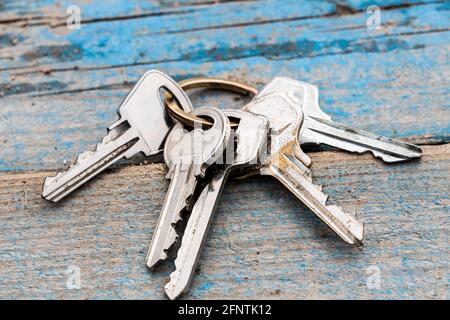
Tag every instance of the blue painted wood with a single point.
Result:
(380, 81)
(257, 24)
(59, 89)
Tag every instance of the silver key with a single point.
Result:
(318, 127)
(187, 154)
(250, 137)
(142, 128)
(287, 162)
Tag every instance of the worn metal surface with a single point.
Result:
(250, 137)
(186, 167)
(60, 88)
(142, 128)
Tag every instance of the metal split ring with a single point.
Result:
(208, 83)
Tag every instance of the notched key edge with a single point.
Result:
(56, 194)
(288, 173)
(174, 288)
(393, 150)
(158, 250)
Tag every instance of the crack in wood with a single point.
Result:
(335, 153)
(340, 10)
(229, 58)
(59, 21)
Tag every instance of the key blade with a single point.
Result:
(297, 178)
(188, 155)
(320, 129)
(181, 188)
(89, 164)
(194, 237)
(242, 150)
(142, 128)
(323, 131)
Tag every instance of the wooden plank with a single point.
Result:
(48, 12)
(263, 243)
(49, 130)
(259, 26)
(59, 90)
(379, 82)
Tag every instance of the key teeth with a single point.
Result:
(93, 149)
(105, 140)
(351, 238)
(170, 287)
(359, 141)
(151, 264)
(173, 239)
(49, 179)
(178, 217)
(86, 154)
(164, 255)
(394, 159)
(48, 190)
(170, 290)
(82, 156)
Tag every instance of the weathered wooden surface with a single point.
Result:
(60, 88)
(263, 243)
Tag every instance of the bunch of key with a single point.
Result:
(264, 137)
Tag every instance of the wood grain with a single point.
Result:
(60, 88)
(263, 243)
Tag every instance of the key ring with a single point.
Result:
(209, 83)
